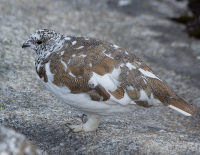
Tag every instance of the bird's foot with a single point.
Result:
(91, 125)
(75, 128)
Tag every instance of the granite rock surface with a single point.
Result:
(141, 27)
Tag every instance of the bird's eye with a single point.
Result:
(39, 42)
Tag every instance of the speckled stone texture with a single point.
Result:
(13, 143)
(28, 107)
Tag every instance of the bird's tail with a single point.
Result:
(182, 106)
(169, 98)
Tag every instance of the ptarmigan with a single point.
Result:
(97, 77)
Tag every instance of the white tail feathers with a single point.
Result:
(179, 110)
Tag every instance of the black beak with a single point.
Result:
(25, 45)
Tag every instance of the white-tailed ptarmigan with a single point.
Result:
(97, 77)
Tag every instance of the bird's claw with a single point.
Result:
(82, 118)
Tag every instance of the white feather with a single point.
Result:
(116, 47)
(48, 72)
(130, 88)
(123, 101)
(148, 74)
(38, 66)
(126, 53)
(62, 53)
(74, 42)
(82, 55)
(79, 47)
(130, 66)
(65, 65)
(70, 73)
(179, 110)
(108, 81)
(144, 97)
(109, 55)
(68, 38)
(105, 81)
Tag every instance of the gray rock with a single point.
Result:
(146, 31)
(15, 143)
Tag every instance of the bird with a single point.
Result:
(98, 78)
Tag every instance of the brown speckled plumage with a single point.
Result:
(83, 66)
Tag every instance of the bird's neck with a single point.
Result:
(42, 54)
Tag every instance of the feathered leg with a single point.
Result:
(91, 125)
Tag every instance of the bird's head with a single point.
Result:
(43, 40)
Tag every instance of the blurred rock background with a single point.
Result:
(142, 27)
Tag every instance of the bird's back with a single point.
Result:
(107, 72)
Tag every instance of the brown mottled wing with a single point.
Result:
(152, 87)
(73, 66)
